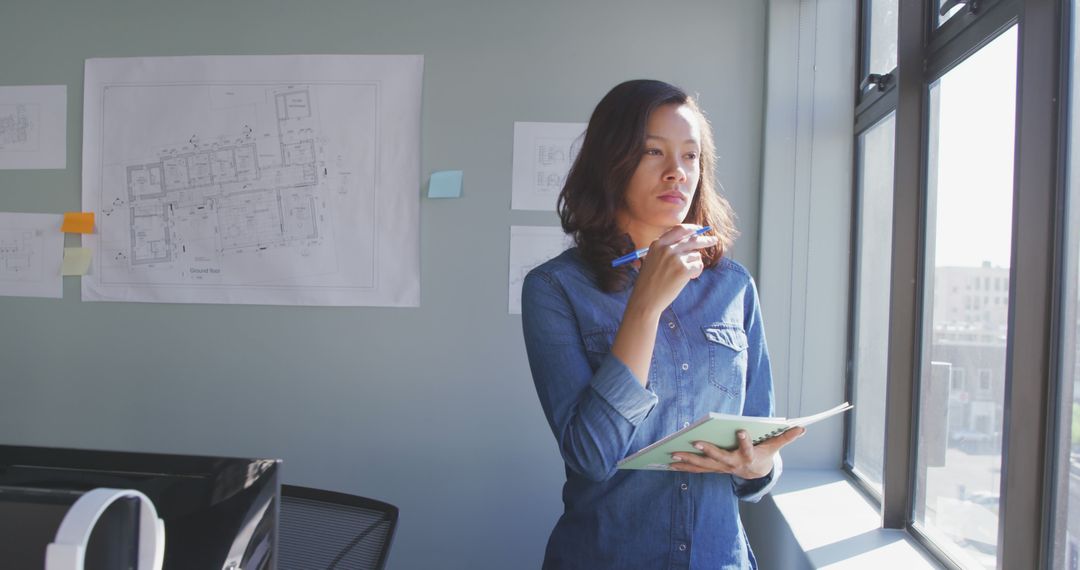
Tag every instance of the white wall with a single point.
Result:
(805, 221)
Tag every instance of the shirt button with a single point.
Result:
(685, 366)
(671, 325)
(684, 486)
(682, 547)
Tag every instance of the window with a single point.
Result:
(869, 325)
(986, 379)
(881, 21)
(973, 264)
(972, 111)
(871, 307)
(959, 383)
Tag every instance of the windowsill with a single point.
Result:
(818, 519)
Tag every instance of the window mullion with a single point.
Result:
(1059, 516)
(908, 176)
(1027, 425)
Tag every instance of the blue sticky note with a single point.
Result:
(445, 184)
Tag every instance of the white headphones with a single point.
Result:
(68, 550)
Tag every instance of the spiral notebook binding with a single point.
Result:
(772, 433)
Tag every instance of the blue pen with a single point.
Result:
(635, 255)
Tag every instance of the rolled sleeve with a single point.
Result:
(617, 386)
(594, 415)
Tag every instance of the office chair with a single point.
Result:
(324, 530)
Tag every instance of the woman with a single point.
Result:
(624, 356)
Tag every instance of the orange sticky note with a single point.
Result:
(78, 223)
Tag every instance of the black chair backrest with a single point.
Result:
(324, 530)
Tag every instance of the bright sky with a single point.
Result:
(975, 166)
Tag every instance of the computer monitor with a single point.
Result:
(219, 512)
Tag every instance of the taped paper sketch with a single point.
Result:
(215, 184)
(31, 249)
(543, 154)
(530, 246)
(33, 126)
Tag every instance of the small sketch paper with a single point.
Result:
(445, 184)
(33, 127)
(274, 180)
(530, 246)
(31, 248)
(543, 153)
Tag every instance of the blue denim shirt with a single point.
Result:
(709, 356)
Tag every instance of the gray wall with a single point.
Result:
(431, 409)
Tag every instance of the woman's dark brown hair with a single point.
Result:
(596, 184)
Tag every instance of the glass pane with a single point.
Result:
(1067, 555)
(882, 22)
(871, 312)
(941, 19)
(962, 375)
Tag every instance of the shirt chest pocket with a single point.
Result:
(598, 346)
(727, 357)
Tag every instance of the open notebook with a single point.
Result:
(719, 430)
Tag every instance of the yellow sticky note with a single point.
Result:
(78, 223)
(76, 261)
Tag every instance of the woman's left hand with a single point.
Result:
(749, 461)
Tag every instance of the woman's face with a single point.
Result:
(663, 185)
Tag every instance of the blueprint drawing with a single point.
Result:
(248, 188)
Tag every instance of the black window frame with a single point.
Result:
(1065, 308)
(1036, 353)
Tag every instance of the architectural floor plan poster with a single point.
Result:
(283, 180)
(31, 249)
(33, 127)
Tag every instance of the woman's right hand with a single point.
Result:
(674, 259)
(672, 262)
